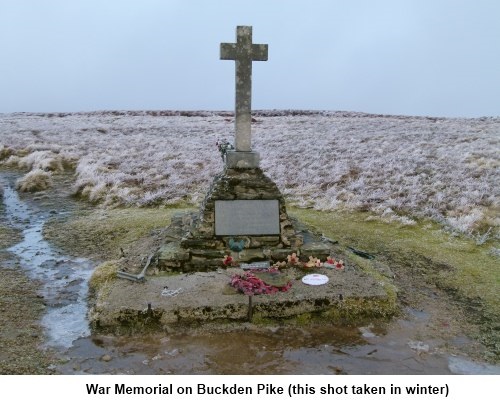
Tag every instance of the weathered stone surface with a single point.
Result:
(296, 242)
(172, 252)
(249, 255)
(208, 253)
(259, 241)
(199, 243)
(215, 262)
(316, 249)
(207, 216)
(171, 236)
(274, 279)
(281, 254)
(242, 160)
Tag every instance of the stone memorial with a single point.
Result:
(242, 204)
(242, 221)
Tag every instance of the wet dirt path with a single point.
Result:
(63, 278)
(413, 344)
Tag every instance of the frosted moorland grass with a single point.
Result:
(35, 180)
(400, 168)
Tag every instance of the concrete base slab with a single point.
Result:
(197, 298)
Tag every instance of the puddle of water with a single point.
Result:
(322, 350)
(385, 349)
(64, 279)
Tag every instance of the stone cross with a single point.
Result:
(243, 52)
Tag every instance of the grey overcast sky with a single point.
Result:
(413, 57)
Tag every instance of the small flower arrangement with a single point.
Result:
(228, 261)
(313, 262)
(223, 146)
(251, 283)
(334, 264)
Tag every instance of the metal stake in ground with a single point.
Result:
(244, 53)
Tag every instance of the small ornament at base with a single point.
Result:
(315, 279)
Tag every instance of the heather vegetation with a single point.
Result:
(396, 168)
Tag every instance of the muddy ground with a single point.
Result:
(21, 307)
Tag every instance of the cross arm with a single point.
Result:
(228, 51)
(259, 52)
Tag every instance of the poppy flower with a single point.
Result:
(293, 259)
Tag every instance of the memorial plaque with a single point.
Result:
(255, 265)
(247, 217)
